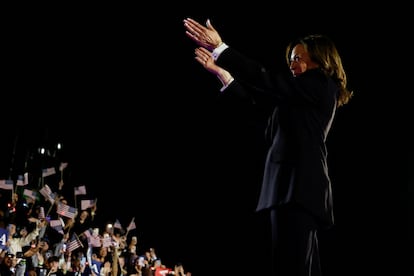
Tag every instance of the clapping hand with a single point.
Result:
(204, 36)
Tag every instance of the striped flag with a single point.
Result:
(48, 171)
(117, 224)
(48, 194)
(57, 225)
(73, 243)
(80, 190)
(21, 181)
(30, 193)
(88, 233)
(87, 203)
(93, 240)
(66, 210)
(131, 225)
(63, 166)
(6, 184)
(107, 241)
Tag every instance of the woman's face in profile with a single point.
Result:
(300, 61)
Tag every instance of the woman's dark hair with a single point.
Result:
(323, 51)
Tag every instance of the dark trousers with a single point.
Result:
(294, 242)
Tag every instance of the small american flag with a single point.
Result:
(73, 243)
(48, 171)
(80, 190)
(107, 241)
(6, 184)
(131, 225)
(93, 241)
(30, 193)
(87, 203)
(117, 224)
(63, 166)
(57, 225)
(66, 210)
(20, 181)
(48, 194)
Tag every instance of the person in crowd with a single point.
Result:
(53, 268)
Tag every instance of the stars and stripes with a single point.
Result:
(80, 190)
(87, 203)
(73, 243)
(48, 194)
(131, 225)
(66, 210)
(6, 184)
(48, 171)
(30, 193)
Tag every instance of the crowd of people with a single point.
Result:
(44, 235)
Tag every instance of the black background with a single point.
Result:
(141, 127)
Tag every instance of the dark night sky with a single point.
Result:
(142, 129)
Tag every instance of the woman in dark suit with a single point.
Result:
(296, 188)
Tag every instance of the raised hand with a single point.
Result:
(204, 36)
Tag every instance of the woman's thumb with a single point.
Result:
(208, 24)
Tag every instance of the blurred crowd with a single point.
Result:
(42, 234)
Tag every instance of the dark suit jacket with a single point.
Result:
(296, 164)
